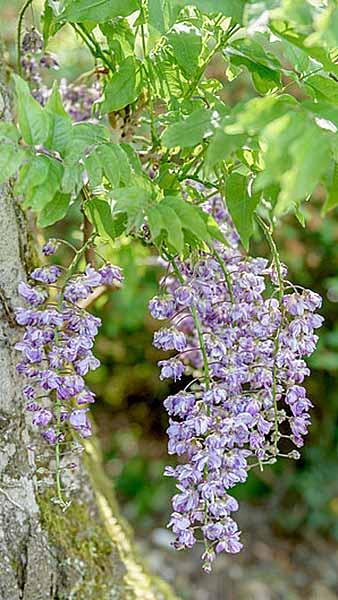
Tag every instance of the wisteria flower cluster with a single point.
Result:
(78, 98)
(241, 331)
(34, 60)
(56, 347)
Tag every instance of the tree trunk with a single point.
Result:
(85, 552)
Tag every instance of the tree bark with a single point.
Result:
(83, 553)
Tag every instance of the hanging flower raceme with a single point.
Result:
(56, 347)
(241, 331)
(78, 98)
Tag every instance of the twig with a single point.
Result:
(19, 31)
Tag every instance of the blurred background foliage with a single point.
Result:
(299, 499)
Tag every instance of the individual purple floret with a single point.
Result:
(51, 247)
(79, 421)
(170, 339)
(110, 274)
(49, 61)
(46, 274)
(250, 336)
(33, 296)
(32, 41)
(162, 307)
(171, 369)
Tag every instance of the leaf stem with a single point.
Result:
(274, 251)
(197, 325)
(225, 273)
(268, 234)
(92, 45)
(147, 70)
(19, 32)
(222, 40)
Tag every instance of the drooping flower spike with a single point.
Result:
(56, 347)
(251, 338)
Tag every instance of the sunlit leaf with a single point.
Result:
(331, 201)
(122, 88)
(34, 122)
(11, 157)
(60, 130)
(97, 11)
(186, 42)
(55, 210)
(241, 206)
(192, 130)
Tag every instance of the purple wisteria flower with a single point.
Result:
(250, 336)
(110, 274)
(78, 99)
(56, 346)
(33, 296)
(46, 274)
(51, 247)
(162, 307)
(170, 339)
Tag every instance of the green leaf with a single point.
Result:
(55, 210)
(156, 224)
(324, 88)
(100, 215)
(213, 228)
(229, 8)
(49, 25)
(47, 19)
(97, 11)
(120, 38)
(222, 145)
(11, 157)
(265, 70)
(32, 174)
(172, 226)
(325, 110)
(283, 29)
(89, 134)
(8, 131)
(122, 88)
(186, 42)
(190, 217)
(326, 25)
(61, 123)
(121, 154)
(34, 122)
(72, 179)
(297, 57)
(158, 15)
(85, 137)
(132, 202)
(109, 163)
(241, 206)
(167, 178)
(276, 139)
(44, 193)
(332, 196)
(308, 163)
(94, 169)
(255, 114)
(191, 131)
(133, 159)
